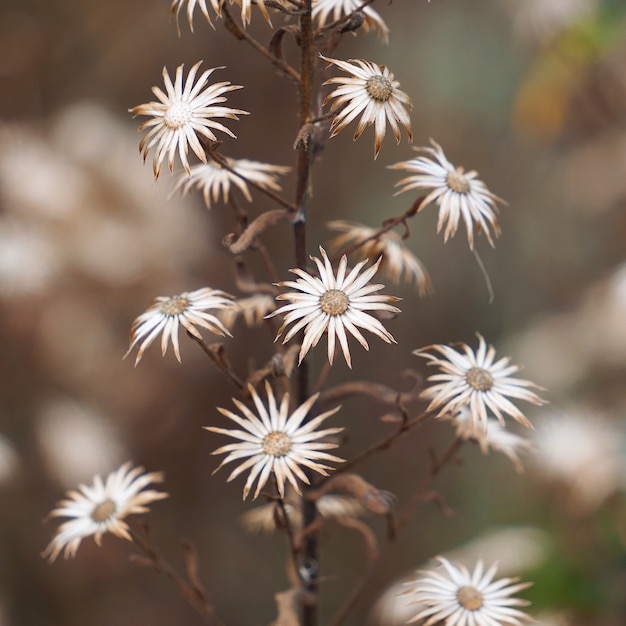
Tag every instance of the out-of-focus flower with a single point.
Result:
(177, 5)
(473, 380)
(458, 194)
(187, 309)
(452, 596)
(541, 21)
(397, 261)
(333, 304)
(276, 442)
(268, 517)
(76, 440)
(494, 437)
(182, 113)
(340, 8)
(253, 309)
(215, 180)
(583, 451)
(29, 259)
(101, 508)
(371, 92)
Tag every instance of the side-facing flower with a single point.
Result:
(474, 380)
(253, 309)
(372, 92)
(398, 262)
(101, 508)
(458, 194)
(340, 8)
(182, 113)
(215, 180)
(189, 309)
(494, 437)
(333, 304)
(275, 441)
(246, 10)
(177, 6)
(452, 596)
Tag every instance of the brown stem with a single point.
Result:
(191, 587)
(219, 361)
(386, 226)
(243, 35)
(360, 586)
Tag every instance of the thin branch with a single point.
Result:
(191, 588)
(243, 35)
(216, 355)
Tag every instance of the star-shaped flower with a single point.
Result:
(276, 441)
(184, 112)
(452, 596)
(167, 314)
(372, 92)
(458, 194)
(101, 508)
(333, 305)
(476, 380)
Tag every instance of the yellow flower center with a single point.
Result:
(276, 444)
(178, 114)
(479, 379)
(470, 598)
(103, 511)
(457, 181)
(379, 88)
(174, 306)
(334, 302)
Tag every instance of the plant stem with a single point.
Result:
(303, 173)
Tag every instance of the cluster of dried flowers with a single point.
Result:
(281, 447)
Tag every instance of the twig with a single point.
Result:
(217, 358)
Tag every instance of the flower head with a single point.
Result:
(340, 8)
(474, 380)
(371, 91)
(187, 309)
(215, 180)
(333, 304)
(459, 194)
(253, 309)
(181, 114)
(177, 5)
(494, 437)
(101, 508)
(275, 441)
(246, 10)
(452, 596)
(397, 261)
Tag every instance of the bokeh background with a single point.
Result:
(530, 93)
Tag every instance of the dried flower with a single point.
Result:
(334, 304)
(581, 450)
(495, 437)
(276, 442)
(215, 180)
(177, 5)
(246, 10)
(253, 309)
(181, 113)
(187, 309)
(101, 508)
(455, 597)
(371, 91)
(474, 380)
(398, 262)
(267, 517)
(340, 8)
(459, 194)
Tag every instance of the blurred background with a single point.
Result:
(531, 94)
